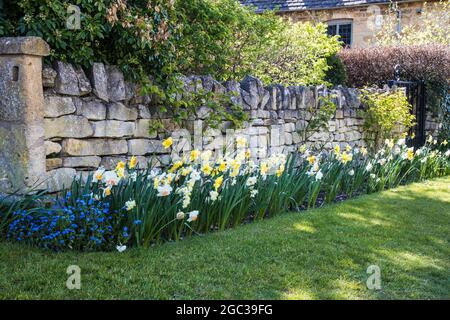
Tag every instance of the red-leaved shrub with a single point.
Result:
(375, 65)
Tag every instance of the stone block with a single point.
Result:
(110, 162)
(83, 82)
(92, 110)
(52, 148)
(66, 81)
(118, 111)
(143, 112)
(48, 77)
(56, 106)
(53, 163)
(85, 162)
(99, 147)
(58, 179)
(142, 129)
(116, 84)
(113, 129)
(140, 147)
(70, 126)
(99, 81)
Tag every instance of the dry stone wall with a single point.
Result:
(98, 119)
(85, 119)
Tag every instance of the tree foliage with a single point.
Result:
(387, 116)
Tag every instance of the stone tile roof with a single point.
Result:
(294, 5)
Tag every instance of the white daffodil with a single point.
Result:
(98, 175)
(351, 172)
(164, 190)
(319, 175)
(180, 215)
(195, 175)
(130, 205)
(251, 181)
(213, 195)
(111, 178)
(153, 173)
(133, 176)
(193, 215)
(186, 202)
(369, 167)
(121, 248)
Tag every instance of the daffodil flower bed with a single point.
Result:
(198, 194)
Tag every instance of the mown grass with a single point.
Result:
(317, 254)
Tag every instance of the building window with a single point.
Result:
(343, 28)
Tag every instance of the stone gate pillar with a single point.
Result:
(22, 151)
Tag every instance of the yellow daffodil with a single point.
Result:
(207, 169)
(176, 166)
(410, 154)
(345, 157)
(234, 172)
(302, 148)
(364, 151)
(218, 182)
(311, 159)
(194, 155)
(337, 149)
(222, 166)
(167, 143)
(248, 153)
(241, 142)
(107, 192)
(120, 165)
(98, 176)
(186, 171)
(444, 143)
(348, 148)
(120, 172)
(264, 168)
(156, 183)
(133, 162)
(280, 170)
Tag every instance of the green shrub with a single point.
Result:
(387, 116)
(221, 37)
(296, 56)
(336, 74)
(137, 37)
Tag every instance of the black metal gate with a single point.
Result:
(415, 91)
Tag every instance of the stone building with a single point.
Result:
(356, 21)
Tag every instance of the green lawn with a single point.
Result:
(318, 254)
